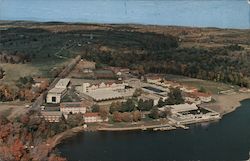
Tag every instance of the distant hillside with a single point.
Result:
(205, 53)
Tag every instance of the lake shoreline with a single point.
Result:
(225, 107)
(227, 103)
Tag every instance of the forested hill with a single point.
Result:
(212, 54)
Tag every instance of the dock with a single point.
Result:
(164, 128)
(182, 126)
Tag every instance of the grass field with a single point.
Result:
(210, 86)
(14, 71)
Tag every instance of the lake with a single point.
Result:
(200, 13)
(228, 139)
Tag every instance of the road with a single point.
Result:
(39, 100)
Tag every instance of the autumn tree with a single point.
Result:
(115, 106)
(137, 115)
(117, 116)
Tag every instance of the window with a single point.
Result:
(53, 99)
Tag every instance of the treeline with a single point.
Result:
(24, 90)
(226, 64)
(14, 57)
(145, 52)
(1, 73)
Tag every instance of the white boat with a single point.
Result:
(248, 1)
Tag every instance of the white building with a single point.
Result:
(55, 94)
(87, 87)
(181, 107)
(92, 117)
(104, 95)
(107, 91)
(74, 107)
(153, 97)
(52, 116)
(62, 83)
(194, 116)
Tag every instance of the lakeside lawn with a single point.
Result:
(209, 86)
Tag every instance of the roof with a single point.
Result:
(103, 72)
(71, 104)
(62, 83)
(76, 104)
(149, 96)
(183, 107)
(91, 114)
(100, 95)
(57, 90)
(51, 113)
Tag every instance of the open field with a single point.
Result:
(227, 103)
(210, 86)
(13, 109)
(14, 71)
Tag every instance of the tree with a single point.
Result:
(25, 82)
(95, 108)
(1, 73)
(140, 105)
(161, 103)
(137, 93)
(128, 106)
(103, 113)
(17, 149)
(174, 97)
(167, 112)
(137, 116)
(154, 113)
(75, 119)
(202, 89)
(115, 106)
(127, 117)
(178, 96)
(146, 105)
(117, 117)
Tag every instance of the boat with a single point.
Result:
(248, 1)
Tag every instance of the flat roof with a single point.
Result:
(62, 83)
(56, 90)
(100, 95)
(51, 113)
(76, 104)
(150, 96)
(91, 114)
(183, 107)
